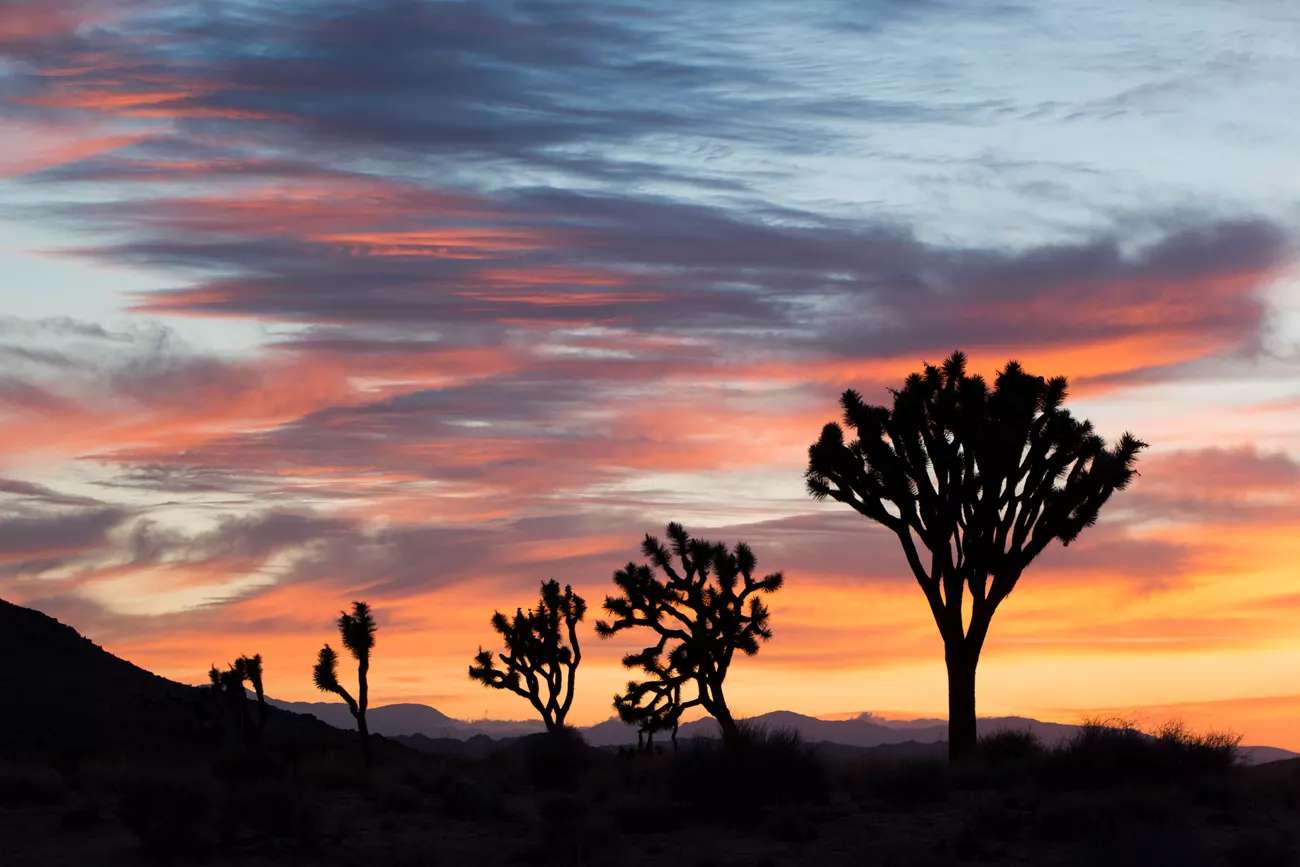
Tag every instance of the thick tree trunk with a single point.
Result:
(961, 702)
(727, 725)
(364, 732)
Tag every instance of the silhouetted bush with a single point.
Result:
(332, 769)
(270, 809)
(472, 799)
(1012, 745)
(1117, 752)
(173, 817)
(763, 768)
(394, 796)
(556, 760)
(639, 814)
(900, 785)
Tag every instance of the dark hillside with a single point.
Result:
(70, 697)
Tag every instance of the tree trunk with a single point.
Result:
(727, 725)
(364, 731)
(961, 702)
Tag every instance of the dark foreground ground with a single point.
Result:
(1112, 798)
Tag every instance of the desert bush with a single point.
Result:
(1011, 745)
(761, 769)
(332, 769)
(172, 816)
(467, 798)
(395, 796)
(1105, 753)
(645, 814)
(270, 809)
(900, 785)
(1211, 751)
(556, 760)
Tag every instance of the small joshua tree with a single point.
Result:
(653, 705)
(975, 482)
(703, 608)
(537, 663)
(357, 629)
(229, 686)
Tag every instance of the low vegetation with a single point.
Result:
(1112, 795)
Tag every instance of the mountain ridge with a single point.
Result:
(863, 731)
(73, 679)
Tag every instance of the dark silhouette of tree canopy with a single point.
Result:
(538, 664)
(357, 629)
(704, 606)
(979, 479)
(229, 687)
(653, 705)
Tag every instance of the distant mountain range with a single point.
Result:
(74, 696)
(427, 728)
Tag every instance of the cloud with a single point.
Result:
(1221, 485)
(530, 280)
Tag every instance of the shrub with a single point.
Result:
(466, 798)
(1011, 745)
(901, 785)
(172, 817)
(762, 769)
(556, 760)
(1114, 752)
(270, 809)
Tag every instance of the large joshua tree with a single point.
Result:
(542, 653)
(702, 602)
(357, 630)
(975, 482)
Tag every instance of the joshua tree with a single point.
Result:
(653, 706)
(357, 629)
(538, 664)
(702, 611)
(980, 480)
(229, 686)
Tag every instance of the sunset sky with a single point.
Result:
(422, 302)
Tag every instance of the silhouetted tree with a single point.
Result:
(538, 664)
(357, 629)
(653, 705)
(229, 687)
(981, 480)
(703, 610)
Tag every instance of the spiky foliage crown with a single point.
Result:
(325, 674)
(357, 629)
(245, 669)
(983, 477)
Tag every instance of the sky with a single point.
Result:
(423, 302)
